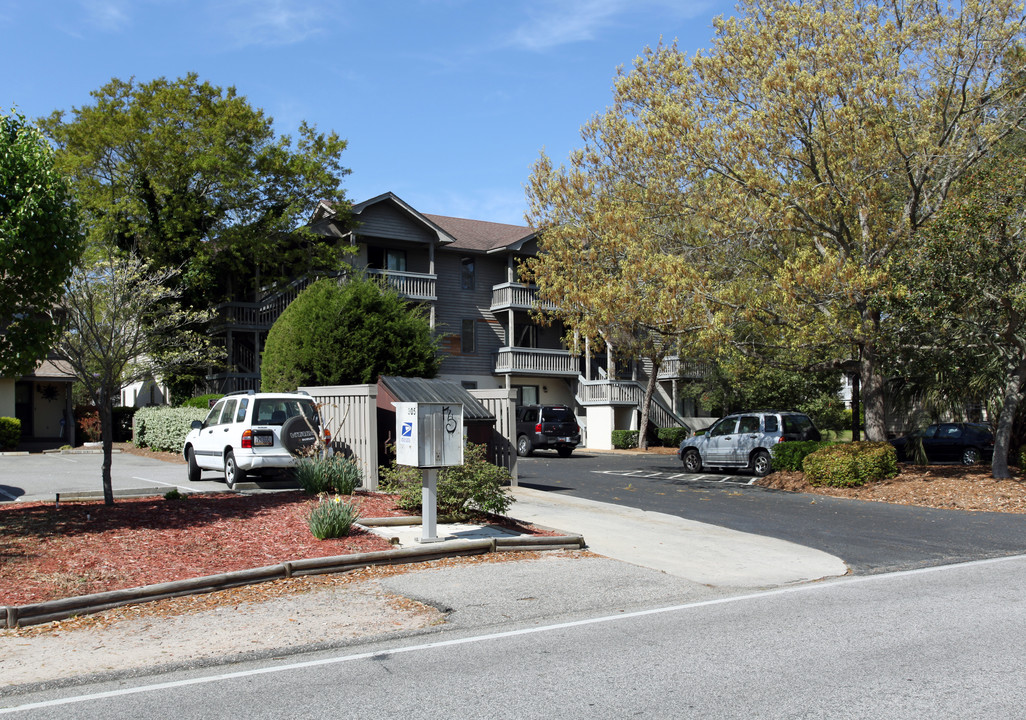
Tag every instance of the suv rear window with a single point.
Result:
(558, 415)
(797, 424)
(275, 411)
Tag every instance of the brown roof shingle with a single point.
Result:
(479, 235)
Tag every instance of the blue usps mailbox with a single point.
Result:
(429, 436)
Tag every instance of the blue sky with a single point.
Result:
(446, 103)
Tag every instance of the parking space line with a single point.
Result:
(158, 482)
(686, 477)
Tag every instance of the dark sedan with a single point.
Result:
(967, 443)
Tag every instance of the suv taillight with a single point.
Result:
(327, 436)
(537, 428)
(247, 439)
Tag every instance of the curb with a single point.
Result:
(37, 613)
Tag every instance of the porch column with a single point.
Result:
(431, 270)
(587, 359)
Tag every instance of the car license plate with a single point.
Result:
(564, 439)
(263, 440)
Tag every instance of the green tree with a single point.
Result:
(40, 243)
(617, 274)
(811, 143)
(123, 323)
(190, 176)
(346, 334)
(960, 316)
(740, 383)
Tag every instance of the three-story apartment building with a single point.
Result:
(465, 273)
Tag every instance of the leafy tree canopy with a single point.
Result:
(40, 243)
(189, 175)
(346, 334)
(806, 147)
(958, 322)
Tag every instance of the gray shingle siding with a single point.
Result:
(387, 221)
(455, 305)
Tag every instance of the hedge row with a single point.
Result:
(791, 455)
(164, 428)
(667, 437)
(851, 464)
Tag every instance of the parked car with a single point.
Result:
(745, 440)
(547, 426)
(967, 443)
(248, 432)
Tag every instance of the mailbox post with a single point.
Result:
(429, 436)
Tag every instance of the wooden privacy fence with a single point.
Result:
(350, 413)
(502, 404)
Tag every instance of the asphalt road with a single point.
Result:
(870, 537)
(938, 643)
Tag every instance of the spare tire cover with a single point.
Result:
(297, 436)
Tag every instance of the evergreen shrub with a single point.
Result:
(477, 486)
(851, 464)
(345, 335)
(625, 439)
(673, 436)
(10, 433)
(791, 455)
(203, 402)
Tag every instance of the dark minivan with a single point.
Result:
(547, 426)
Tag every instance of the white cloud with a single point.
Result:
(269, 22)
(108, 15)
(552, 23)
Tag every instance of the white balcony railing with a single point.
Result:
(410, 285)
(674, 367)
(535, 361)
(625, 393)
(516, 296)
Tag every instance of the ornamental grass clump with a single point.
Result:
(851, 464)
(337, 474)
(332, 518)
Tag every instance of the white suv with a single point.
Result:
(251, 431)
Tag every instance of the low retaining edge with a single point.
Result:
(37, 613)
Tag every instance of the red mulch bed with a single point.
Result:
(78, 548)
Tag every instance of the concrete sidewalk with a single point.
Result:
(701, 553)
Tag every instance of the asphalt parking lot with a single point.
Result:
(871, 537)
(41, 476)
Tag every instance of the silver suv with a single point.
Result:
(250, 431)
(745, 440)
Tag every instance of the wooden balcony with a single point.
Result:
(674, 367)
(610, 392)
(536, 361)
(410, 285)
(516, 296)
(247, 316)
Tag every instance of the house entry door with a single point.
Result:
(23, 406)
